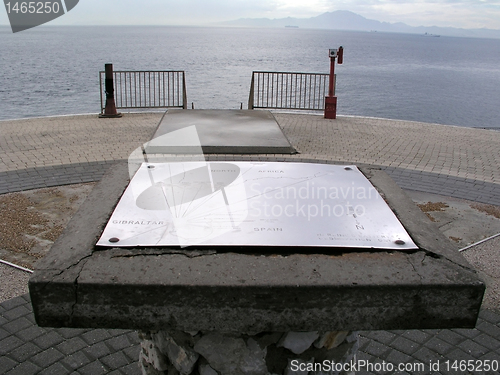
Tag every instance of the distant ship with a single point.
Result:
(434, 35)
(292, 26)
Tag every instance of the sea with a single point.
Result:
(53, 70)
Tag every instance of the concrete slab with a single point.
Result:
(219, 131)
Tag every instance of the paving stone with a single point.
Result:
(132, 352)
(363, 355)
(439, 346)
(30, 317)
(49, 340)
(55, 369)
(425, 355)
(4, 333)
(98, 350)
(131, 369)
(468, 333)
(24, 352)
(420, 336)
(25, 368)
(396, 357)
(489, 328)
(384, 337)
(6, 364)
(404, 345)
(116, 360)
(373, 366)
(30, 333)
(12, 304)
(473, 348)
(95, 336)
(68, 333)
(494, 359)
(377, 349)
(17, 325)
(9, 344)
(451, 337)
(72, 345)
(488, 341)
(119, 343)
(47, 357)
(118, 332)
(16, 312)
(94, 368)
(459, 355)
(363, 342)
(76, 360)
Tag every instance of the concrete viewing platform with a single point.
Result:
(439, 159)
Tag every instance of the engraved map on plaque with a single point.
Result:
(253, 204)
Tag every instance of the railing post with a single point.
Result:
(184, 92)
(250, 97)
(110, 110)
(100, 91)
(331, 99)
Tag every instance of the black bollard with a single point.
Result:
(110, 109)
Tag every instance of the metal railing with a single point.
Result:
(288, 90)
(147, 89)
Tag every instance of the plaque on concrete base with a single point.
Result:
(253, 204)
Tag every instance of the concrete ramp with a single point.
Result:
(219, 132)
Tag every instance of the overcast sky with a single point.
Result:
(456, 13)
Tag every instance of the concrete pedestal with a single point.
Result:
(172, 294)
(250, 310)
(237, 290)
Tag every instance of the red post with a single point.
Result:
(331, 99)
(110, 109)
(331, 83)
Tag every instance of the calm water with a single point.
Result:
(54, 70)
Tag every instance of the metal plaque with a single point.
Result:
(253, 204)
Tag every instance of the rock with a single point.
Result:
(148, 369)
(330, 340)
(298, 342)
(232, 356)
(182, 358)
(152, 355)
(268, 338)
(205, 369)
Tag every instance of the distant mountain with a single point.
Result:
(346, 20)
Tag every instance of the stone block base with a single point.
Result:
(265, 353)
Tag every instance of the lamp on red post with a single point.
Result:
(331, 99)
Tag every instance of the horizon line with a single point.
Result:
(224, 24)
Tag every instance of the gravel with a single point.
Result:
(14, 282)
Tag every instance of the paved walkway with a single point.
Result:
(446, 160)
